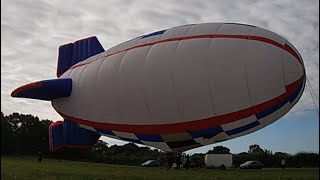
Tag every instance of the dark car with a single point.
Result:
(151, 163)
(251, 165)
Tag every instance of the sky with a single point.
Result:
(32, 31)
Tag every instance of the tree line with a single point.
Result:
(27, 135)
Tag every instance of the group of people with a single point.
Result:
(172, 158)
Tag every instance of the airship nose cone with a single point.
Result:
(293, 68)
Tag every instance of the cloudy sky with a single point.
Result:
(32, 31)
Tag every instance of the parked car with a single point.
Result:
(251, 165)
(151, 163)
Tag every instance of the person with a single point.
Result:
(283, 164)
(169, 160)
(178, 161)
(161, 161)
(187, 165)
(39, 157)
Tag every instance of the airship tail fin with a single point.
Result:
(72, 53)
(67, 134)
(45, 90)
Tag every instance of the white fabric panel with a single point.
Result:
(161, 145)
(299, 95)
(235, 29)
(238, 123)
(98, 56)
(76, 73)
(149, 39)
(66, 74)
(90, 59)
(293, 70)
(111, 136)
(89, 87)
(96, 97)
(294, 48)
(105, 53)
(132, 89)
(125, 135)
(191, 79)
(227, 75)
(176, 32)
(256, 128)
(218, 138)
(87, 127)
(159, 84)
(128, 44)
(73, 103)
(113, 50)
(268, 34)
(107, 107)
(275, 37)
(275, 115)
(264, 71)
(205, 28)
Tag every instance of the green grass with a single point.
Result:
(27, 168)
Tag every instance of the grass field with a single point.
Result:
(27, 168)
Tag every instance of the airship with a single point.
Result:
(174, 89)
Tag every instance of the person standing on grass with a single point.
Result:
(170, 160)
(39, 157)
(178, 160)
(187, 165)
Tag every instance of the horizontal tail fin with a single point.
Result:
(68, 134)
(72, 53)
(45, 90)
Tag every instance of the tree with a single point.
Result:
(7, 135)
(100, 150)
(219, 150)
(23, 134)
(240, 158)
(100, 146)
(255, 148)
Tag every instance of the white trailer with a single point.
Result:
(218, 159)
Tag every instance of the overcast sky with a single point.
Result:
(32, 31)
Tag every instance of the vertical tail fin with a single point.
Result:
(72, 53)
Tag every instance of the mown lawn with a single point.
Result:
(27, 168)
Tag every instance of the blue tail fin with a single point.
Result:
(68, 134)
(45, 90)
(72, 53)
